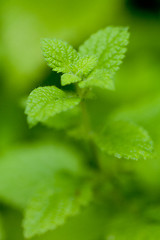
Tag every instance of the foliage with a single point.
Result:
(78, 182)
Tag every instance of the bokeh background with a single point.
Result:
(22, 68)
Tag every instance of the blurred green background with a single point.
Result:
(22, 68)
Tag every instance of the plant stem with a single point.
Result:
(87, 131)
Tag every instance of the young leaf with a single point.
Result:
(85, 65)
(69, 78)
(53, 204)
(98, 78)
(59, 55)
(27, 167)
(108, 45)
(45, 102)
(124, 139)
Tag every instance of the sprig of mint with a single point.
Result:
(60, 183)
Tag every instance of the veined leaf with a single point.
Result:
(108, 45)
(124, 139)
(62, 57)
(98, 78)
(45, 102)
(53, 204)
(59, 55)
(28, 167)
(85, 65)
(69, 78)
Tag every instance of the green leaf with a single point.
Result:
(85, 65)
(69, 78)
(108, 45)
(51, 206)
(123, 139)
(145, 113)
(45, 102)
(26, 168)
(98, 78)
(59, 55)
(64, 120)
(88, 224)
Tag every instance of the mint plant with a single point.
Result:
(62, 183)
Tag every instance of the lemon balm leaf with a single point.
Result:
(85, 64)
(123, 139)
(46, 102)
(59, 55)
(69, 78)
(29, 166)
(108, 45)
(98, 78)
(53, 204)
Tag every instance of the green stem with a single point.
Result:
(87, 131)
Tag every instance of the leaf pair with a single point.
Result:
(62, 57)
(102, 53)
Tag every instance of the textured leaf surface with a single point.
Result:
(124, 139)
(108, 45)
(85, 65)
(68, 78)
(98, 78)
(59, 55)
(62, 57)
(28, 167)
(45, 102)
(53, 204)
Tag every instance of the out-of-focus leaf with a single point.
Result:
(51, 206)
(27, 167)
(124, 139)
(87, 225)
